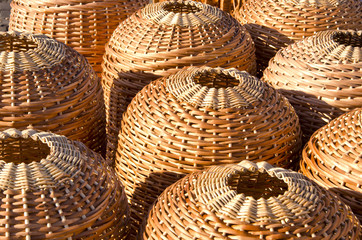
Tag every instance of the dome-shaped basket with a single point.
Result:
(248, 201)
(197, 118)
(49, 86)
(225, 5)
(85, 25)
(53, 188)
(274, 24)
(160, 39)
(321, 76)
(333, 158)
(4, 14)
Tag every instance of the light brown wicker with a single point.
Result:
(4, 14)
(333, 158)
(274, 24)
(49, 86)
(197, 118)
(249, 201)
(85, 25)
(321, 76)
(225, 5)
(53, 188)
(159, 40)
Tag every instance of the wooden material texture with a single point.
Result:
(54, 188)
(4, 14)
(197, 118)
(49, 86)
(85, 25)
(159, 40)
(225, 202)
(321, 76)
(225, 5)
(333, 158)
(274, 24)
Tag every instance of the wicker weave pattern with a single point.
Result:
(274, 24)
(49, 86)
(212, 205)
(225, 5)
(333, 156)
(4, 14)
(321, 76)
(159, 40)
(52, 188)
(166, 134)
(83, 25)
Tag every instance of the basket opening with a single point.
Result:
(21, 150)
(10, 43)
(215, 80)
(177, 7)
(258, 185)
(348, 38)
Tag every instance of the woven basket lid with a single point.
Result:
(53, 188)
(248, 201)
(196, 118)
(333, 157)
(321, 76)
(274, 24)
(84, 25)
(49, 86)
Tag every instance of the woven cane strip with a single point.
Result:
(187, 122)
(49, 86)
(160, 39)
(333, 156)
(83, 25)
(321, 76)
(52, 188)
(274, 24)
(4, 14)
(248, 201)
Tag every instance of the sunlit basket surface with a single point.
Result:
(197, 118)
(54, 188)
(85, 25)
(49, 86)
(4, 14)
(225, 5)
(333, 158)
(159, 40)
(275, 23)
(249, 201)
(321, 76)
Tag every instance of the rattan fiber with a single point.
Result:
(321, 76)
(196, 118)
(159, 40)
(333, 158)
(274, 24)
(54, 188)
(49, 86)
(85, 25)
(249, 201)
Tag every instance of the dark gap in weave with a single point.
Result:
(348, 39)
(11, 43)
(257, 185)
(181, 8)
(215, 80)
(20, 150)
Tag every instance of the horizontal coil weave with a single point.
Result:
(333, 158)
(274, 24)
(49, 86)
(54, 188)
(159, 40)
(230, 202)
(196, 118)
(321, 76)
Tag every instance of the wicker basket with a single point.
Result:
(53, 188)
(196, 118)
(321, 76)
(4, 14)
(159, 40)
(249, 201)
(49, 86)
(333, 156)
(274, 24)
(85, 25)
(225, 5)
